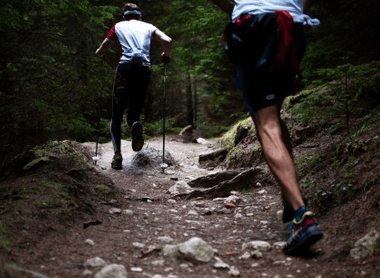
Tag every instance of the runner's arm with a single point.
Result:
(104, 46)
(225, 5)
(164, 39)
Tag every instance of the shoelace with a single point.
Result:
(308, 213)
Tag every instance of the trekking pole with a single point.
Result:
(164, 165)
(96, 157)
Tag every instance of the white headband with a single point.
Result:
(135, 12)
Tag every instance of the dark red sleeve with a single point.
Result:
(111, 35)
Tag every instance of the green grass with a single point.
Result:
(228, 139)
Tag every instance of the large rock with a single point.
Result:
(179, 188)
(170, 251)
(213, 179)
(197, 250)
(149, 158)
(95, 263)
(36, 163)
(366, 245)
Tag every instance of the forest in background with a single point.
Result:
(52, 87)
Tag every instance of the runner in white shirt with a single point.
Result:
(132, 73)
(266, 40)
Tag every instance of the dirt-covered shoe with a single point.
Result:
(117, 161)
(302, 234)
(137, 136)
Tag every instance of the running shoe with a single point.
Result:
(302, 234)
(287, 213)
(117, 161)
(137, 136)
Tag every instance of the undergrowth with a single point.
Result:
(347, 108)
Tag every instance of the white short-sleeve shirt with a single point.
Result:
(135, 39)
(294, 7)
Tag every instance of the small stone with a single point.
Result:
(192, 212)
(207, 211)
(94, 263)
(257, 254)
(158, 262)
(112, 270)
(115, 211)
(245, 256)
(89, 242)
(234, 272)
(87, 272)
(255, 265)
(259, 245)
(250, 233)
(220, 264)
(233, 199)
(138, 245)
(184, 266)
(165, 239)
(128, 212)
(180, 187)
(279, 245)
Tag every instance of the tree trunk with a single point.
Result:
(189, 102)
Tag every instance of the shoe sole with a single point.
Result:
(304, 245)
(137, 137)
(116, 167)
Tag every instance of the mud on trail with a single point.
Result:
(127, 217)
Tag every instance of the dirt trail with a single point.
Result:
(186, 155)
(256, 217)
(151, 219)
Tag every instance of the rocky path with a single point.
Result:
(153, 234)
(148, 228)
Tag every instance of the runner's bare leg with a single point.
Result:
(272, 135)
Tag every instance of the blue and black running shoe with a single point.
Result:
(302, 234)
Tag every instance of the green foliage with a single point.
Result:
(341, 93)
(2, 228)
(329, 178)
(46, 62)
(52, 86)
(344, 23)
(228, 139)
(102, 189)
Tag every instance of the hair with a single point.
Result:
(131, 7)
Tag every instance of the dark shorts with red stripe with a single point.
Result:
(261, 81)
